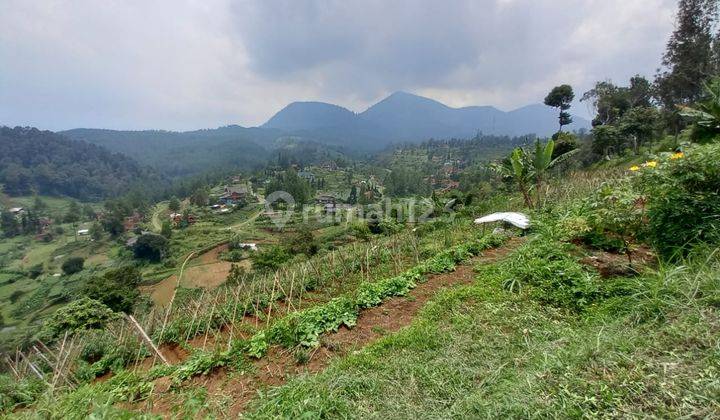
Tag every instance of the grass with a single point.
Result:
(483, 351)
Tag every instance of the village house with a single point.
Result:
(326, 199)
(132, 222)
(234, 194)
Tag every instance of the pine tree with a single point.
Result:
(689, 59)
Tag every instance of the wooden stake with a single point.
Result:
(147, 339)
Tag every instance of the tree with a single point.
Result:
(705, 115)
(517, 169)
(73, 213)
(166, 229)
(9, 224)
(117, 288)
(200, 197)
(96, 231)
(561, 97)
(80, 314)
(174, 204)
(113, 224)
(73, 265)
(689, 58)
(639, 124)
(303, 242)
(151, 247)
(352, 198)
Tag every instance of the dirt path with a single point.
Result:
(155, 219)
(279, 364)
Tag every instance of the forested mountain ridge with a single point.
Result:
(43, 162)
(177, 154)
(407, 117)
(401, 117)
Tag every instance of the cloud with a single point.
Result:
(182, 64)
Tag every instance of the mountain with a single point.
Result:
(48, 163)
(309, 116)
(401, 117)
(406, 117)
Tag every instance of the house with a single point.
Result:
(326, 199)
(83, 232)
(234, 194)
(17, 212)
(177, 219)
(131, 222)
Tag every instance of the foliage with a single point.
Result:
(78, 315)
(561, 97)
(705, 114)
(303, 242)
(17, 393)
(615, 210)
(270, 258)
(304, 328)
(289, 182)
(683, 205)
(151, 247)
(73, 265)
(46, 163)
(117, 288)
(690, 59)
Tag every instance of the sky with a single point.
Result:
(189, 64)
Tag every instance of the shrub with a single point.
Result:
(683, 205)
(73, 265)
(81, 314)
(117, 288)
(270, 258)
(35, 271)
(151, 247)
(15, 393)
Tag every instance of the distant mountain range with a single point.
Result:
(401, 117)
(406, 117)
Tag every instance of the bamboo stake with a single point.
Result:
(147, 339)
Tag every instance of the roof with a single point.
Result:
(238, 189)
(15, 210)
(516, 219)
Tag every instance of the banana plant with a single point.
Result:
(705, 114)
(517, 167)
(529, 170)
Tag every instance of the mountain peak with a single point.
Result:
(309, 115)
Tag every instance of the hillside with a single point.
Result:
(401, 117)
(178, 154)
(44, 162)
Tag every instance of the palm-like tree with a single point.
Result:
(705, 114)
(526, 168)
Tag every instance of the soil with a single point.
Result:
(610, 264)
(280, 364)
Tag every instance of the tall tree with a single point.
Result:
(561, 97)
(688, 60)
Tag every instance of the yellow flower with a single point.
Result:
(650, 164)
(678, 155)
(634, 168)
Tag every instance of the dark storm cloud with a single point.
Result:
(180, 64)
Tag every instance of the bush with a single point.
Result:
(73, 265)
(117, 288)
(81, 314)
(270, 258)
(35, 271)
(15, 393)
(683, 205)
(151, 247)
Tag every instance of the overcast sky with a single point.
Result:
(186, 64)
